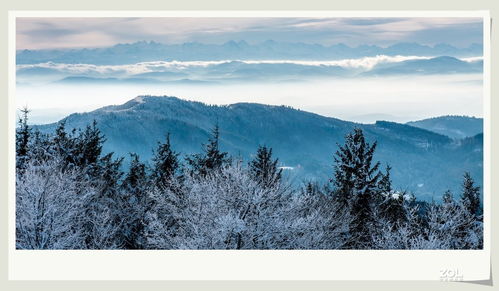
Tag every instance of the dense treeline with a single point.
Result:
(69, 195)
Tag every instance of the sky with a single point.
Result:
(51, 33)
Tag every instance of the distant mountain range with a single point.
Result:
(438, 65)
(423, 161)
(144, 51)
(456, 127)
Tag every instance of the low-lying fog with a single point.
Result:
(361, 99)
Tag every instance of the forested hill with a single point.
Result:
(452, 126)
(423, 161)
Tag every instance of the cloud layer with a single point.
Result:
(192, 67)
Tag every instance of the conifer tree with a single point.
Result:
(264, 169)
(61, 138)
(392, 204)
(110, 174)
(470, 197)
(212, 157)
(393, 209)
(136, 178)
(452, 225)
(89, 147)
(385, 181)
(353, 166)
(40, 147)
(447, 197)
(135, 203)
(165, 163)
(355, 181)
(384, 187)
(64, 145)
(23, 133)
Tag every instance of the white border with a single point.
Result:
(248, 265)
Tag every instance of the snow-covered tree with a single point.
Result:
(104, 211)
(50, 205)
(23, 133)
(398, 221)
(134, 188)
(226, 209)
(470, 197)
(393, 207)
(355, 181)
(450, 226)
(40, 147)
(315, 221)
(244, 215)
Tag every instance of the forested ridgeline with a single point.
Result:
(70, 195)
